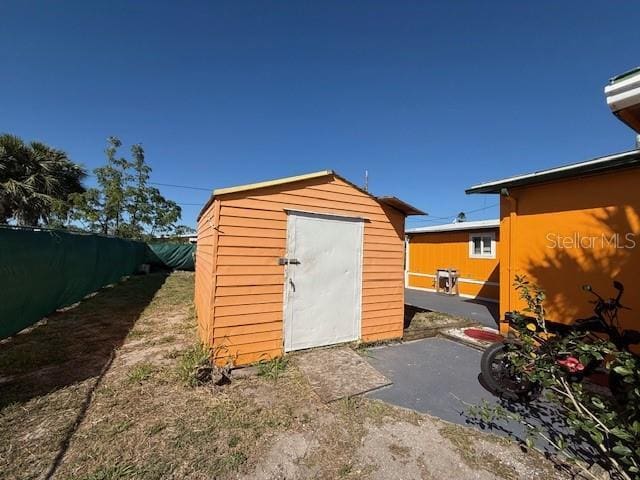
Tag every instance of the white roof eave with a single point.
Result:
(551, 171)
(454, 227)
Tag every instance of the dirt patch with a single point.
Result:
(417, 318)
(419, 323)
(134, 416)
(285, 459)
(499, 455)
(400, 450)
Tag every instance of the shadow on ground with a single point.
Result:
(544, 423)
(74, 345)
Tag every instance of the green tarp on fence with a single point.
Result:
(179, 256)
(41, 271)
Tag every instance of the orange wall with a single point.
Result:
(433, 250)
(538, 230)
(247, 282)
(205, 270)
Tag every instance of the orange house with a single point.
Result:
(471, 248)
(298, 262)
(568, 226)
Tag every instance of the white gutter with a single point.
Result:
(623, 93)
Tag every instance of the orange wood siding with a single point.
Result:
(251, 236)
(206, 272)
(479, 277)
(564, 234)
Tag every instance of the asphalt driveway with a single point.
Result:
(485, 313)
(440, 377)
(431, 376)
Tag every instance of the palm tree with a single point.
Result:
(35, 181)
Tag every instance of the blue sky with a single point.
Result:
(430, 97)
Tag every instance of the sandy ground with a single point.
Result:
(121, 407)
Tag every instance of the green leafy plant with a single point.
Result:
(124, 203)
(534, 298)
(36, 182)
(611, 424)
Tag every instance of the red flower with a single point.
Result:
(572, 364)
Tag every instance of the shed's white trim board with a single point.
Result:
(271, 183)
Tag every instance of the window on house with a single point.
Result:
(482, 245)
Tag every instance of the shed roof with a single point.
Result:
(394, 202)
(452, 227)
(401, 205)
(597, 165)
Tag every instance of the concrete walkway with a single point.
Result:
(485, 313)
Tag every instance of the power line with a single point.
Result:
(189, 187)
(483, 208)
(432, 218)
(181, 186)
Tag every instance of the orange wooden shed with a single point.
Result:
(298, 262)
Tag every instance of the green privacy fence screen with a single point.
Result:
(179, 256)
(43, 270)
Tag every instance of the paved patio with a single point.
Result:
(440, 377)
(485, 313)
(431, 376)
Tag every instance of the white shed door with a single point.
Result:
(323, 290)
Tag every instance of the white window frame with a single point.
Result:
(482, 235)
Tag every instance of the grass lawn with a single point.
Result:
(102, 391)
